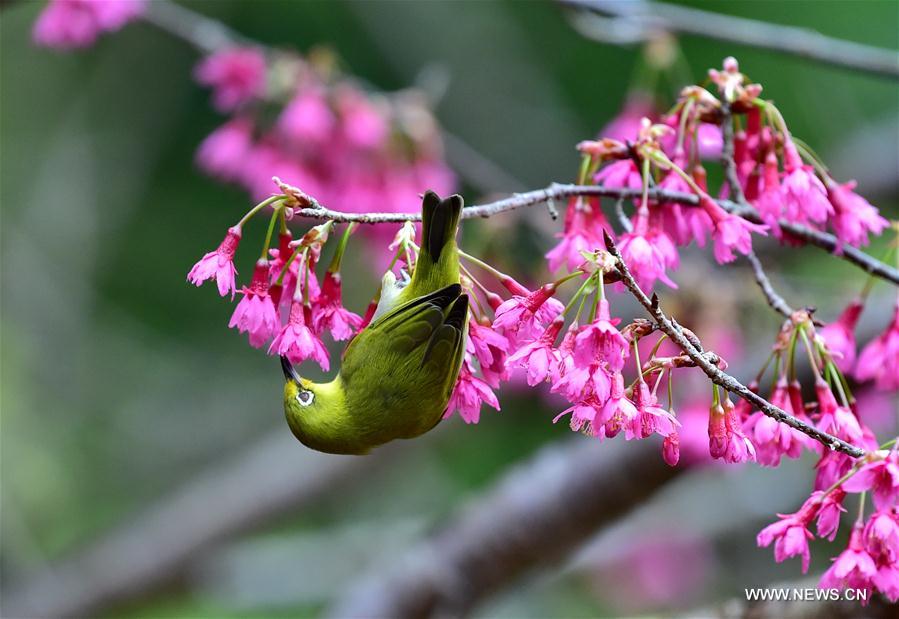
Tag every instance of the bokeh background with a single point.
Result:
(131, 413)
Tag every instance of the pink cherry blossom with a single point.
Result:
(731, 232)
(832, 466)
(879, 360)
(854, 216)
(650, 418)
(839, 336)
(769, 203)
(601, 341)
(771, 438)
(881, 477)
(218, 264)
(853, 568)
(803, 193)
(623, 174)
(584, 417)
(881, 535)
(739, 447)
(256, 314)
(584, 224)
(648, 253)
(834, 418)
(539, 356)
(223, 152)
(297, 341)
(470, 392)
(626, 125)
(69, 24)
(619, 411)
(671, 214)
(790, 536)
(671, 449)
(709, 141)
(329, 311)
(486, 344)
(236, 76)
(718, 438)
(887, 580)
(829, 507)
(524, 315)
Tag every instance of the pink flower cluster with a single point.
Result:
(284, 306)
(69, 24)
(354, 151)
(878, 361)
(871, 559)
(780, 178)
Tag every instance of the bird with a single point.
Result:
(398, 373)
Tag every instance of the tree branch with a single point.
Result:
(558, 191)
(534, 516)
(771, 295)
(272, 477)
(673, 330)
(643, 19)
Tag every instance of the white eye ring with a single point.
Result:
(305, 398)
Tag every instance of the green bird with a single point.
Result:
(398, 373)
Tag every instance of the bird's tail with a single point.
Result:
(438, 262)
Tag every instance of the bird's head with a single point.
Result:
(311, 408)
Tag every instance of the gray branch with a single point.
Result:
(644, 19)
(533, 517)
(674, 331)
(558, 191)
(273, 477)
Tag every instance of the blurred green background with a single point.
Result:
(121, 383)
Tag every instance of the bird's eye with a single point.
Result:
(305, 398)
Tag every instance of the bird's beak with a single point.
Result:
(289, 372)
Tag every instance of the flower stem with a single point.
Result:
(259, 207)
(334, 267)
(483, 265)
(268, 235)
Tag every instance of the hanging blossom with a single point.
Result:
(525, 316)
(539, 356)
(839, 336)
(297, 341)
(731, 232)
(803, 193)
(255, 314)
(854, 217)
(649, 252)
(879, 360)
(330, 314)
(468, 395)
(773, 440)
(218, 264)
(70, 24)
(584, 225)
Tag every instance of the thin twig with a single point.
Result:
(670, 328)
(623, 219)
(771, 295)
(645, 19)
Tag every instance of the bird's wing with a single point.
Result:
(447, 344)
